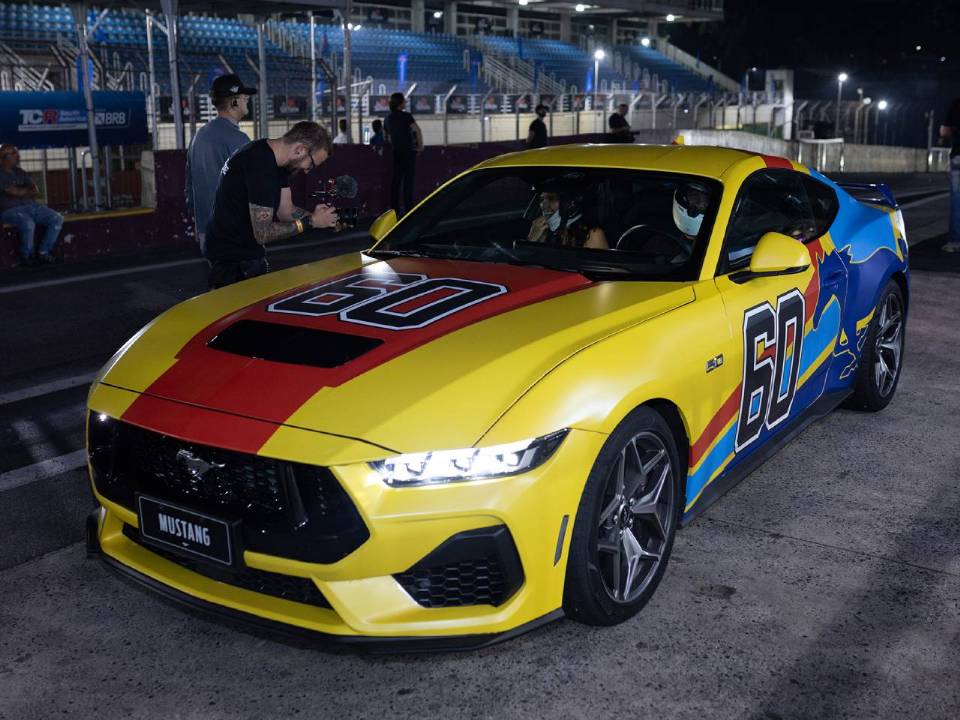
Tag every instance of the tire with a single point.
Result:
(882, 356)
(615, 530)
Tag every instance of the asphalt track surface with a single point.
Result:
(827, 584)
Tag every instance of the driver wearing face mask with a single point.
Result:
(690, 202)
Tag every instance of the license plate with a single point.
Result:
(186, 531)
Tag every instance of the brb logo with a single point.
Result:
(397, 301)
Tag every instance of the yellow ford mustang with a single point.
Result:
(503, 411)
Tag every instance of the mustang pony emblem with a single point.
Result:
(198, 467)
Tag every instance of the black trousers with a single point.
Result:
(224, 272)
(404, 166)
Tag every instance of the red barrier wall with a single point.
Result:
(128, 231)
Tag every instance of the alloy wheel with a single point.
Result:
(637, 517)
(889, 344)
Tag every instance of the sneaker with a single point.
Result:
(45, 259)
(951, 247)
(27, 261)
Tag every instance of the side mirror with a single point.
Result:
(778, 254)
(383, 224)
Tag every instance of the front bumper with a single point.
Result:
(366, 600)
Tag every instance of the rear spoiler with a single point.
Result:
(877, 193)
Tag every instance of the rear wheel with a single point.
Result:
(882, 354)
(625, 525)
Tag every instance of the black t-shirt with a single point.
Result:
(250, 176)
(618, 123)
(398, 125)
(952, 121)
(539, 130)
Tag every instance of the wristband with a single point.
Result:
(299, 226)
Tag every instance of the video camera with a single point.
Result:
(342, 187)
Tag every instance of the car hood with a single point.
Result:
(432, 366)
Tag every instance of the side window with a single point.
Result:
(823, 204)
(770, 201)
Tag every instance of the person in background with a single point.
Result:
(213, 144)
(18, 207)
(406, 140)
(619, 128)
(537, 134)
(376, 140)
(950, 132)
(342, 138)
(254, 207)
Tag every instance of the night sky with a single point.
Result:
(875, 42)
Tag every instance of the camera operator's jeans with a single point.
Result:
(955, 199)
(227, 272)
(25, 219)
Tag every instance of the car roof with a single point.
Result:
(701, 160)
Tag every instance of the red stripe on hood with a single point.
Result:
(273, 391)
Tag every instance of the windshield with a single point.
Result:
(591, 220)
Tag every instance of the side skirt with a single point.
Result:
(821, 408)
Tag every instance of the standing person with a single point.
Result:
(18, 207)
(619, 128)
(537, 134)
(950, 131)
(404, 136)
(253, 205)
(342, 138)
(376, 140)
(212, 145)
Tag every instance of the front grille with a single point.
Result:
(286, 509)
(477, 567)
(287, 587)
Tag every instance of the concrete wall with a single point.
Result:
(838, 157)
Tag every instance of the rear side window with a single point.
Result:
(770, 201)
(823, 203)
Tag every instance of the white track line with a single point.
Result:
(46, 388)
(157, 266)
(924, 201)
(42, 470)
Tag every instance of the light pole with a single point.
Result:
(598, 55)
(881, 106)
(841, 79)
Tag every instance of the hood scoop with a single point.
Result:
(293, 344)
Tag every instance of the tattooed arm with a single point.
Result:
(287, 210)
(266, 229)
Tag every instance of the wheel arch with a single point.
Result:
(675, 420)
(900, 277)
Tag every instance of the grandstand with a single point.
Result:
(434, 61)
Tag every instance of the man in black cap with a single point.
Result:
(213, 144)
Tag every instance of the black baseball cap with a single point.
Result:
(228, 86)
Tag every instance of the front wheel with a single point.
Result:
(625, 525)
(882, 355)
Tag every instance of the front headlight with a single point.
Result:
(446, 466)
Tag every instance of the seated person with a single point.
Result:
(562, 222)
(669, 243)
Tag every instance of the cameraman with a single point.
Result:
(253, 205)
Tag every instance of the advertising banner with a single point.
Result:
(59, 119)
(458, 104)
(379, 105)
(289, 106)
(421, 104)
